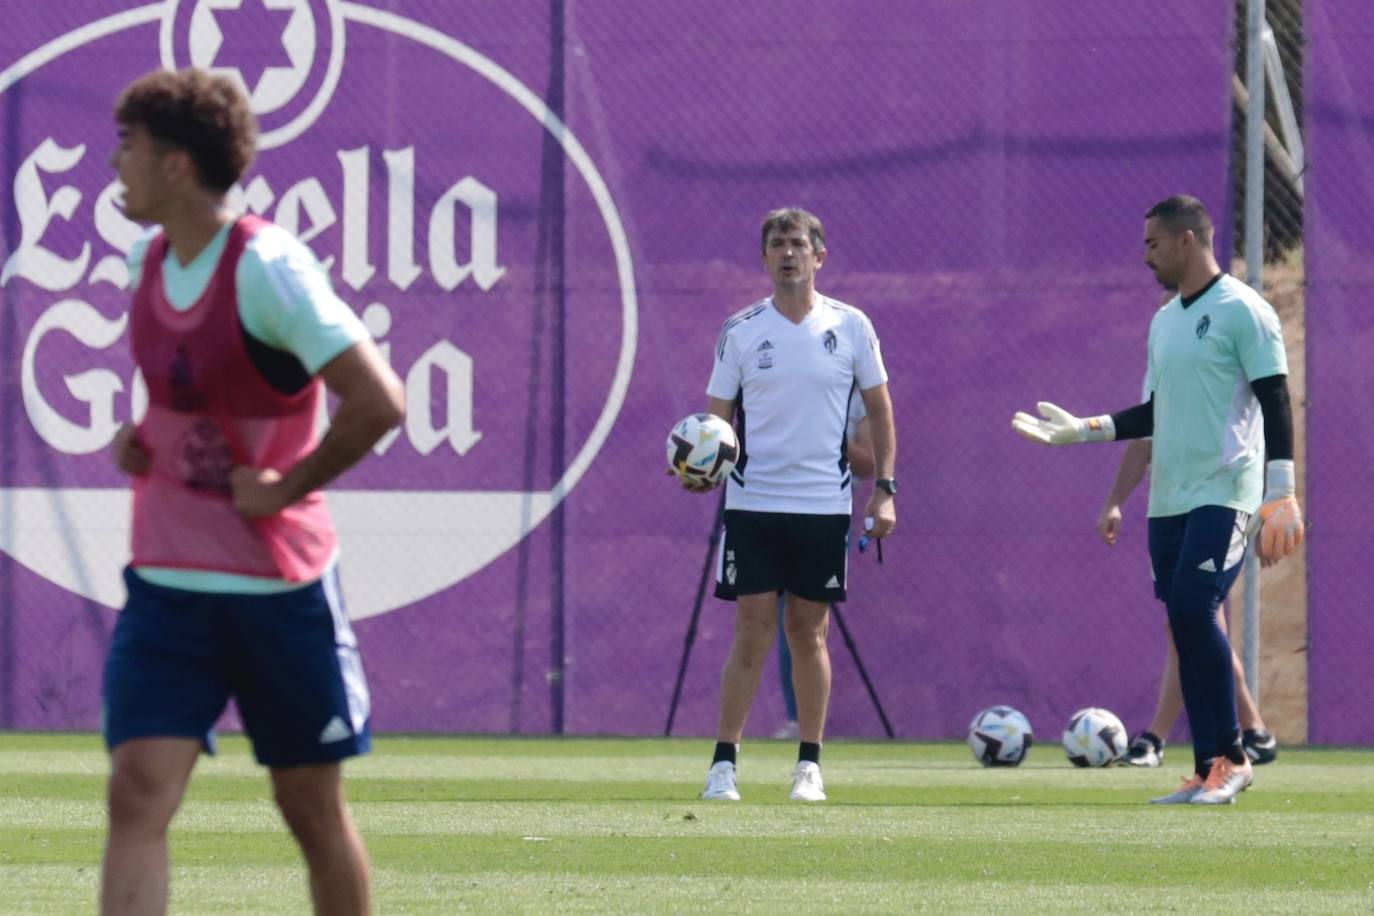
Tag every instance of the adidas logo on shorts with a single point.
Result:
(336, 730)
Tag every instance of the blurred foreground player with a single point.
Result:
(233, 590)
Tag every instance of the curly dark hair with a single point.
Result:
(206, 115)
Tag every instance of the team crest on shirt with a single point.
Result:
(1203, 325)
(829, 341)
(765, 352)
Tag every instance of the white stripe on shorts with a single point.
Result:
(346, 645)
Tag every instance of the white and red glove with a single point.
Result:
(1280, 518)
(1061, 427)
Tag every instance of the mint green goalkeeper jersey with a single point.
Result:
(1208, 427)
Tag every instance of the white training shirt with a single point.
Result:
(794, 383)
(856, 415)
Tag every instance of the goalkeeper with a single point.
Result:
(1218, 382)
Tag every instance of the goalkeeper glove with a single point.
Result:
(1061, 427)
(1281, 528)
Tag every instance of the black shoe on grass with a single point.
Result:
(1147, 750)
(1260, 746)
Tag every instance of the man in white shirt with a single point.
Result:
(784, 371)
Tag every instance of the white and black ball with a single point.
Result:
(1000, 736)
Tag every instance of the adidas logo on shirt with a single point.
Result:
(336, 730)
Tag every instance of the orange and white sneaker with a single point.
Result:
(1183, 795)
(1225, 782)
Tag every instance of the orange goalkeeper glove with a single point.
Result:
(1281, 528)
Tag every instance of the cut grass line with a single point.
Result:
(1185, 829)
(867, 859)
(41, 890)
(588, 825)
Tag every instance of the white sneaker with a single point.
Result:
(720, 782)
(806, 782)
(788, 729)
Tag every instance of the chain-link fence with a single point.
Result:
(544, 213)
(1281, 648)
(1339, 266)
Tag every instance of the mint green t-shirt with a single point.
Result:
(287, 302)
(1208, 427)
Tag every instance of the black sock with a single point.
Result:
(1235, 753)
(725, 751)
(809, 751)
(1156, 741)
(1202, 767)
(1255, 734)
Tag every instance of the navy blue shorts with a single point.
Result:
(1197, 556)
(289, 660)
(805, 555)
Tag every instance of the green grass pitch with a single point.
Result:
(614, 825)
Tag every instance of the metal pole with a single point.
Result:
(1254, 275)
(863, 672)
(712, 543)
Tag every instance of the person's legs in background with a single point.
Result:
(1147, 750)
(788, 730)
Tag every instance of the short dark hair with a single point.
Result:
(206, 115)
(794, 218)
(1182, 212)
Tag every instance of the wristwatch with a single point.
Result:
(888, 484)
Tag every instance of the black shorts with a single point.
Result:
(806, 555)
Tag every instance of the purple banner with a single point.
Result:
(544, 212)
(1340, 374)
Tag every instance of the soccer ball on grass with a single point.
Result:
(999, 736)
(1094, 738)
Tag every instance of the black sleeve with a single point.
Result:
(1272, 392)
(1136, 422)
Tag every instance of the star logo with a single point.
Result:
(265, 43)
(286, 55)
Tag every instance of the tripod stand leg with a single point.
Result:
(858, 663)
(691, 634)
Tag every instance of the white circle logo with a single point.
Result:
(437, 234)
(279, 51)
